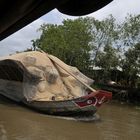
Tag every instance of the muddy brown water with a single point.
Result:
(117, 122)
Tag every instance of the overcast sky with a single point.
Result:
(21, 40)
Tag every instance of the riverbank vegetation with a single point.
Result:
(104, 50)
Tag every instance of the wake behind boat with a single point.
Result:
(46, 84)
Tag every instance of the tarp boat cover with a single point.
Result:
(32, 75)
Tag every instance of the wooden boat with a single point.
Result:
(85, 105)
(13, 72)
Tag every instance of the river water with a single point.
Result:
(117, 122)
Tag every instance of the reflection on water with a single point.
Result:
(118, 122)
(3, 135)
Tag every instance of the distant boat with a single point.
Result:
(16, 80)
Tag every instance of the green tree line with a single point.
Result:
(88, 43)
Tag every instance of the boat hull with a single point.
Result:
(85, 105)
(61, 108)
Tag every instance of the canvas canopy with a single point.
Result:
(41, 79)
